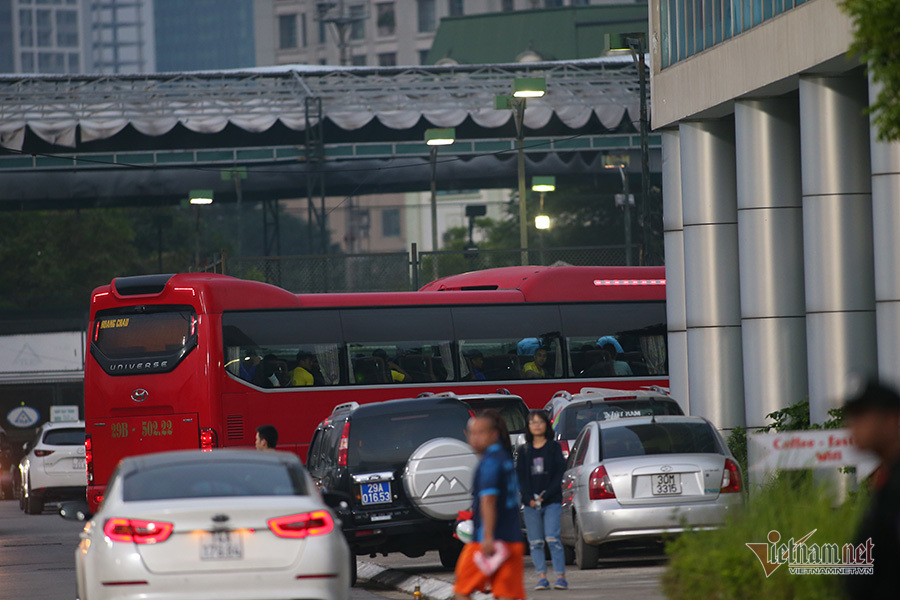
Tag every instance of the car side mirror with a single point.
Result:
(75, 510)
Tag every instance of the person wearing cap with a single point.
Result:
(873, 417)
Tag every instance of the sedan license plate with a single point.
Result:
(666, 484)
(77, 463)
(222, 545)
(376, 493)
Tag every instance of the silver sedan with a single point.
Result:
(639, 479)
(228, 525)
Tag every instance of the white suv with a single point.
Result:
(53, 466)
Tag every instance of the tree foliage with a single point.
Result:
(877, 42)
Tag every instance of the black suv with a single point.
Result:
(396, 473)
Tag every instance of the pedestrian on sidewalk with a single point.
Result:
(540, 469)
(497, 534)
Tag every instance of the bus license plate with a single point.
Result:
(666, 484)
(222, 545)
(376, 493)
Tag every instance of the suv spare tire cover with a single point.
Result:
(438, 477)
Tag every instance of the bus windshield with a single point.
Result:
(147, 340)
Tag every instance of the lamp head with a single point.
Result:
(542, 222)
(529, 87)
(201, 196)
(440, 137)
(543, 184)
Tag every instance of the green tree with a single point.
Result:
(876, 25)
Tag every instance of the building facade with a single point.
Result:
(204, 34)
(367, 32)
(780, 208)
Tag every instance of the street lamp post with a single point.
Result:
(620, 162)
(542, 221)
(199, 198)
(523, 88)
(435, 138)
(636, 46)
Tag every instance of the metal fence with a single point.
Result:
(397, 271)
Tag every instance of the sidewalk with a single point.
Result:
(628, 579)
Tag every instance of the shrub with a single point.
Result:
(717, 565)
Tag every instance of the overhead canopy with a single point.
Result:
(73, 111)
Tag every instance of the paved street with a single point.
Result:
(36, 562)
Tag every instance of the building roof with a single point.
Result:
(552, 34)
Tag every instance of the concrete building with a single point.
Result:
(368, 33)
(76, 36)
(781, 208)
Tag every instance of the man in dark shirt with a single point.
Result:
(873, 417)
(495, 508)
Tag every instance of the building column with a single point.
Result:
(770, 243)
(886, 219)
(712, 287)
(673, 227)
(837, 238)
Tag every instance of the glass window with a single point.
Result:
(616, 339)
(399, 345)
(74, 66)
(66, 28)
(44, 29)
(357, 22)
(385, 19)
(455, 8)
(423, 57)
(323, 32)
(427, 18)
(390, 217)
(574, 417)
(64, 437)
(358, 60)
(285, 348)
(508, 5)
(553, 3)
(658, 438)
(303, 39)
(287, 31)
(213, 479)
(28, 62)
(509, 342)
(579, 452)
(26, 28)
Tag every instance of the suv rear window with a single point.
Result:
(658, 438)
(574, 418)
(515, 414)
(386, 441)
(212, 480)
(64, 437)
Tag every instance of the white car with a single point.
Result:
(217, 525)
(53, 466)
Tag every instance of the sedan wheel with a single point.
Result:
(586, 555)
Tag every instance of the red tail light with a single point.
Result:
(302, 525)
(344, 445)
(89, 457)
(208, 439)
(564, 444)
(600, 486)
(137, 531)
(731, 478)
(43, 452)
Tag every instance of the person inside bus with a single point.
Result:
(535, 368)
(272, 374)
(318, 376)
(302, 375)
(247, 369)
(398, 375)
(476, 365)
(613, 349)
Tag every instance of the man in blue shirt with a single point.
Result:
(495, 507)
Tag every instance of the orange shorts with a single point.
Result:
(506, 582)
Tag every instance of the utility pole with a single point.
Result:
(335, 13)
(636, 45)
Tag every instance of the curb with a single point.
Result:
(431, 587)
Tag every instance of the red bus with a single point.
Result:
(201, 360)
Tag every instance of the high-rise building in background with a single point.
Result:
(367, 32)
(120, 36)
(203, 34)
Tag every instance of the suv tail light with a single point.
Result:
(600, 486)
(208, 439)
(138, 531)
(43, 452)
(344, 445)
(89, 458)
(564, 444)
(302, 525)
(731, 478)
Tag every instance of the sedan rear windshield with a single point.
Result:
(658, 438)
(213, 480)
(387, 441)
(574, 418)
(64, 437)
